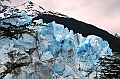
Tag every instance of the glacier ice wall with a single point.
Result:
(57, 53)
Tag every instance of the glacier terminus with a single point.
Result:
(46, 50)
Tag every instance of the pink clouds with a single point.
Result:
(103, 14)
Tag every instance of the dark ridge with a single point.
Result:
(83, 28)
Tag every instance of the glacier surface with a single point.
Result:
(57, 53)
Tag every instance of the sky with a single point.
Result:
(104, 14)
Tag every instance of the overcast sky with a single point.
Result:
(104, 14)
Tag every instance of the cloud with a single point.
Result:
(104, 14)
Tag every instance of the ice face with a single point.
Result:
(56, 52)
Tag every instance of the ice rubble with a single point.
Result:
(59, 53)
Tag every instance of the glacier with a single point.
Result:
(54, 53)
